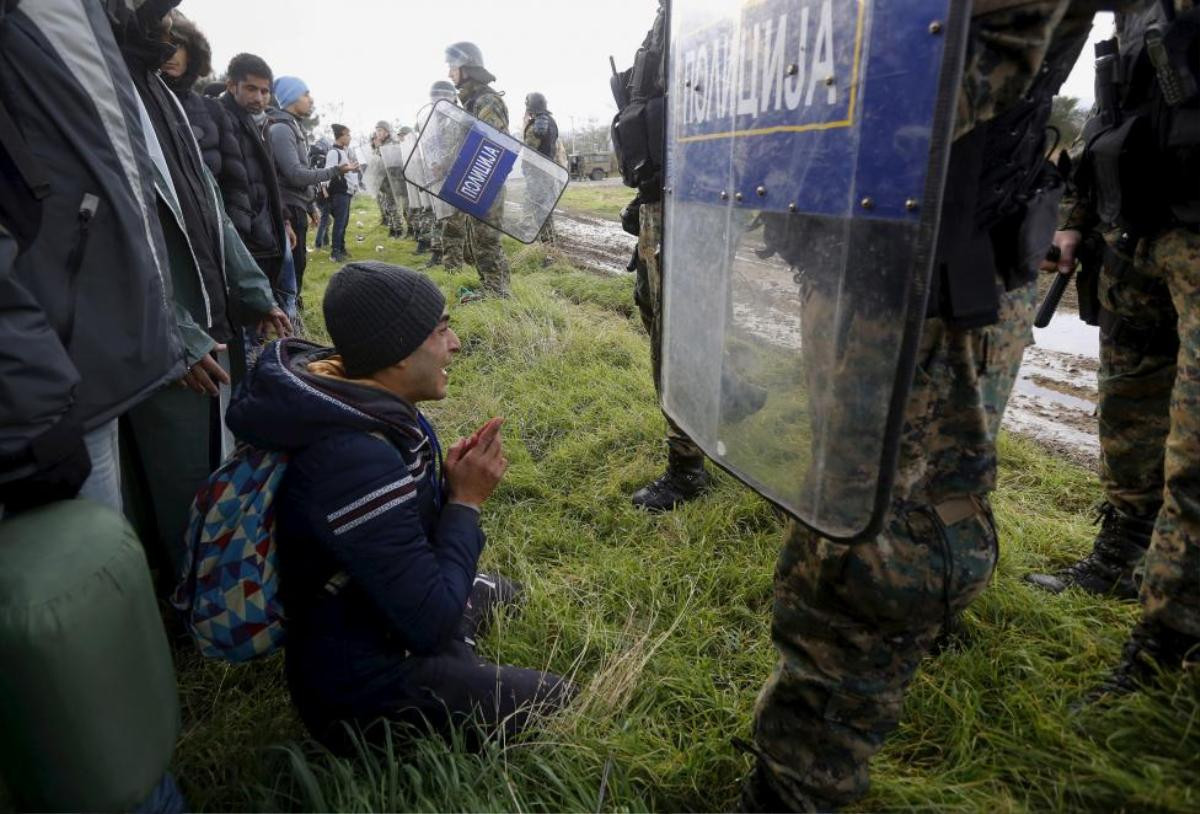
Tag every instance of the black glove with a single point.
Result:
(62, 465)
(631, 216)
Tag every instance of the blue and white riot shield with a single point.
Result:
(806, 150)
(490, 175)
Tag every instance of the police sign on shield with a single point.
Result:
(806, 151)
(473, 167)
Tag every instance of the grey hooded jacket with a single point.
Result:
(87, 328)
(297, 181)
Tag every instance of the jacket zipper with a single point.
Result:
(87, 211)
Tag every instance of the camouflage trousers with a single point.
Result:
(648, 294)
(422, 223)
(547, 234)
(490, 260)
(1150, 413)
(452, 237)
(852, 622)
(390, 212)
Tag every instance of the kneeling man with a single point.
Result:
(378, 537)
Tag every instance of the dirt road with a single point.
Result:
(1054, 399)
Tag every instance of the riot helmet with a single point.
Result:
(535, 103)
(442, 90)
(464, 55)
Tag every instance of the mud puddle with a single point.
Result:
(1054, 397)
(594, 243)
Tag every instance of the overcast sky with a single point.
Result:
(379, 58)
(366, 60)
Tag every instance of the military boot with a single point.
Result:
(684, 480)
(435, 259)
(759, 795)
(1108, 569)
(1152, 649)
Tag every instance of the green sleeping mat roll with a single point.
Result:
(88, 706)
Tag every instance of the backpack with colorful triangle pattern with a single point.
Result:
(229, 588)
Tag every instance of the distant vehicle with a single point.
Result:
(595, 166)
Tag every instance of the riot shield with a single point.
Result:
(375, 176)
(490, 175)
(806, 149)
(391, 157)
(441, 209)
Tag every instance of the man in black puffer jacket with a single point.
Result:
(263, 228)
(378, 537)
(213, 129)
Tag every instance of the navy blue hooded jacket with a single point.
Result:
(361, 497)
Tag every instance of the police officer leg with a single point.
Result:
(437, 232)
(1137, 371)
(1168, 636)
(852, 622)
(685, 478)
(490, 260)
(453, 237)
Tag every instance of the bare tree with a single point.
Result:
(1067, 118)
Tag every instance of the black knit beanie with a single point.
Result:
(378, 314)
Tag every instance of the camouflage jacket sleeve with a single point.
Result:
(490, 108)
(1078, 208)
(1011, 42)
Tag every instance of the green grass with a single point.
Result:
(601, 200)
(664, 620)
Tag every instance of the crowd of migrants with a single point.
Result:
(153, 245)
(181, 214)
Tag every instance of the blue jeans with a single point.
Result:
(323, 224)
(339, 204)
(104, 483)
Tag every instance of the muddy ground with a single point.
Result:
(1053, 401)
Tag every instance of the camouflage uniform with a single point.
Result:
(541, 134)
(453, 237)
(481, 101)
(391, 205)
(648, 295)
(1170, 394)
(852, 622)
(1149, 393)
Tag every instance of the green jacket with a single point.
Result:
(248, 290)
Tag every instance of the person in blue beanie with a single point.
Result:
(378, 536)
(298, 181)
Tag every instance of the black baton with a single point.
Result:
(1055, 294)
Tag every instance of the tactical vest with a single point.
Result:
(1000, 204)
(1141, 162)
(639, 128)
(547, 143)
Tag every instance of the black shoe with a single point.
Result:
(1109, 569)
(1152, 649)
(684, 480)
(760, 795)
(435, 259)
(422, 246)
(490, 593)
(339, 257)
